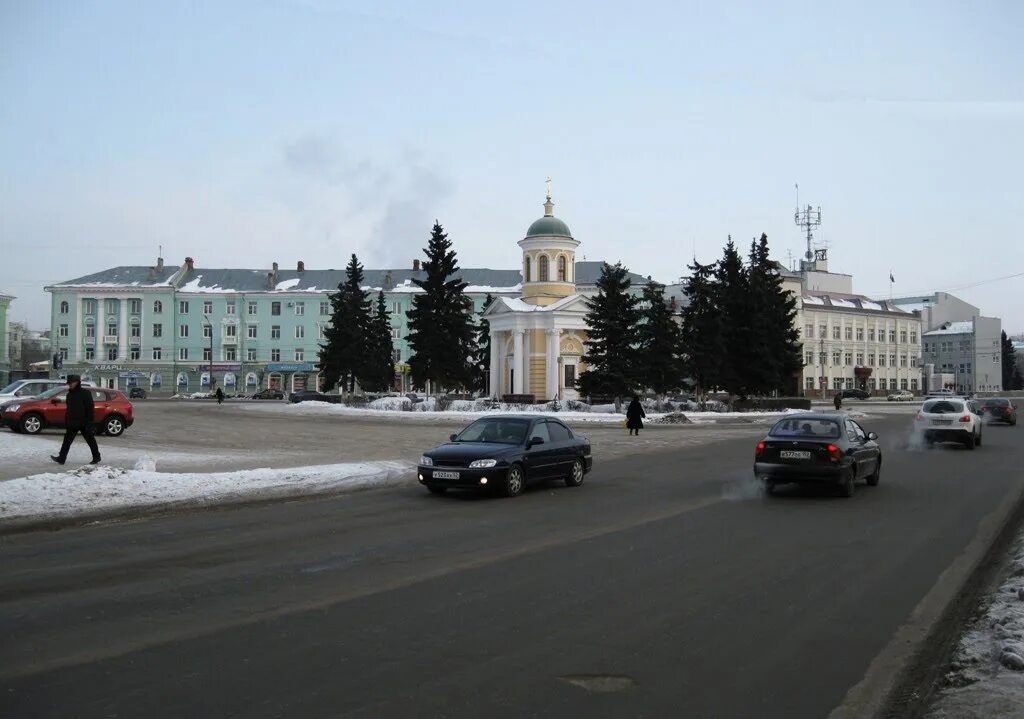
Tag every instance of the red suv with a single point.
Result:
(113, 412)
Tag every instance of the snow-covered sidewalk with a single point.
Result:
(101, 491)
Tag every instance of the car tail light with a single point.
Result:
(759, 450)
(919, 417)
(966, 418)
(834, 452)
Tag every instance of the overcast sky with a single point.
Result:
(251, 132)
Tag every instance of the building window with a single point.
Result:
(849, 333)
(300, 308)
(860, 334)
(207, 307)
(275, 355)
(207, 331)
(808, 359)
(848, 359)
(892, 336)
(62, 331)
(849, 383)
(809, 331)
(881, 360)
(836, 333)
(112, 328)
(135, 331)
(542, 268)
(158, 307)
(275, 332)
(64, 307)
(252, 309)
(913, 385)
(526, 270)
(300, 354)
(320, 331)
(822, 331)
(89, 307)
(903, 339)
(871, 334)
(300, 332)
(158, 353)
(231, 307)
(250, 355)
(183, 331)
(207, 354)
(860, 359)
(250, 332)
(871, 359)
(183, 353)
(230, 354)
(111, 306)
(231, 330)
(90, 353)
(903, 362)
(396, 355)
(822, 358)
(63, 353)
(913, 360)
(903, 384)
(892, 383)
(837, 383)
(563, 267)
(111, 354)
(965, 345)
(570, 375)
(158, 330)
(892, 360)
(275, 308)
(396, 333)
(135, 354)
(90, 331)
(809, 383)
(183, 307)
(913, 338)
(836, 358)
(325, 308)
(135, 307)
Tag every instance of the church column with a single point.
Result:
(552, 373)
(517, 361)
(496, 345)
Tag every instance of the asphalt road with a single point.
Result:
(664, 587)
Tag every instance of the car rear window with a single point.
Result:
(998, 402)
(942, 406)
(808, 428)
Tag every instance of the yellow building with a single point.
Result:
(537, 339)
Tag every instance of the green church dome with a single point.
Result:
(548, 226)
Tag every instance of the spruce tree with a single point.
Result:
(772, 326)
(703, 346)
(659, 366)
(733, 296)
(1009, 360)
(441, 322)
(482, 356)
(379, 371)
(343, 353)
(612, 320)
(1016, 379)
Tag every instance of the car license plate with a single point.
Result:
(794, 454)
(445, 475)
(942, 421)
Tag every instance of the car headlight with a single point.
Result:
(12, 408)
(426, 461)
(482, 463)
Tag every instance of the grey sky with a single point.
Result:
(248, 133)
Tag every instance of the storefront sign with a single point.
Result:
(290, 367)
(131, 374)
(219, 367)
(108, 367)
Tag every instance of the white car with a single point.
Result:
(949, 419)
(25, 388)
(901, 395)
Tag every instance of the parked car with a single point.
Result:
(942, 393)
(855, 393)
(24, 388)
(113, 412)
(504, 453)
(136, 393)
(997, 409)
(814, 448)
(950, 419)
(269, 394)
(307, 395)
(901, 395)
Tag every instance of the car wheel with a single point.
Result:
(31, 424)
(575, 478)
(876, 475)
(969, 442)
(846, 482)
(114, 426)
(514, 481)
(434, 489)
(977, 441)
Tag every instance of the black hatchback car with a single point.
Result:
(503, 453)
(854, 393)
(997, 409)
(818, 448)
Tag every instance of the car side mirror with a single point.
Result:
(452, 437)
(534, 441)
(872, 436)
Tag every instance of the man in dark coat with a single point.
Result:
(220, 396)
(79, 417)
(634, 416)
(838, 401)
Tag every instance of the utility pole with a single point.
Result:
(210, 324)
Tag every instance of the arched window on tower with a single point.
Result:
(562, 272)
(64, 307)
(158, 307)
(526, 270)
(542, 268)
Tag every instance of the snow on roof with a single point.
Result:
(869, 305)
(952, 328)
(812, 300)
(125, 277)
(288, 284)
(837, 302)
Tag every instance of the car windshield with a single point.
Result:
(942, 406)
(12, 387)
(499, 430)
(51, 393)
(806, 428)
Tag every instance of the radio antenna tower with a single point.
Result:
(808, 219)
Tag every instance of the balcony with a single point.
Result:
(229, 340)
(110, 339)
(135, 341)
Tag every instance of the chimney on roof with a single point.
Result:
(152, 274)
(389, 281)
(270, 281)
(415, 265)
(301, 267)
(190, 264)
(274, 266)
(159, 263)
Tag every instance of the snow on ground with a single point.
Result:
(986, 677)
(101, 490)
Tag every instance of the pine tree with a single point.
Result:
(773, 325)
(379, 371)
(659, 366)
(702, 329)
(1016, 379)
(441, 322)
(612, 320)
(733, 296)
(1009, 360)
(482, 357)
(343, 353)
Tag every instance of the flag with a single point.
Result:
(891, 278)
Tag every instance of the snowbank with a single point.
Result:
(109, 491)
(986, 677)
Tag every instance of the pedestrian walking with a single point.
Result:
(79, 417)
(634, 416)
(220, 396)
(838, 401)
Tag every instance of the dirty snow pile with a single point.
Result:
(103, 490)
(986, 676)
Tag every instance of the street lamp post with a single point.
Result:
(210, 325)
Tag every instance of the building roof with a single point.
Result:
(952, 328)
(548, 226)
(859, 303)
(125, 277)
